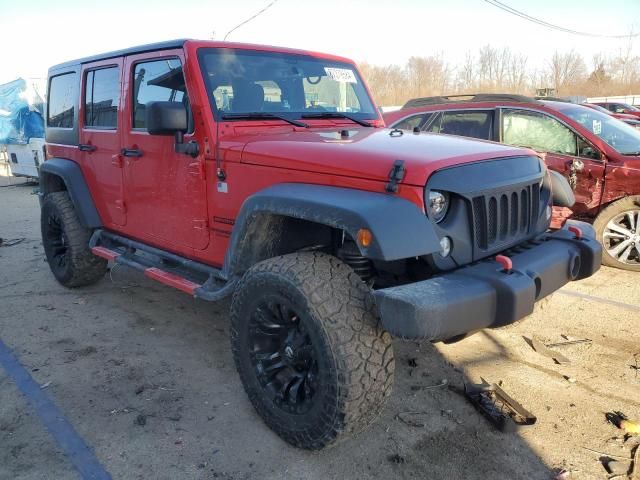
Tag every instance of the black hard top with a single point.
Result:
(151, 47)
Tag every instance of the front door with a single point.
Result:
(564, 151)
(166, 191)
(100, 126)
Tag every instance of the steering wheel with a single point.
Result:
(314, 82)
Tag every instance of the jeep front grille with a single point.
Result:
(500, 218)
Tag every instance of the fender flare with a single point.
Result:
(400, 229)
(71, 175)
(561, 192)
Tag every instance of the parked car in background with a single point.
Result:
(625, 117)
(618, 107)
(599, 155)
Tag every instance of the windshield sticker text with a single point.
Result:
(597, 127)
(343, 75)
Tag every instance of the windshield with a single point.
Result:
(622, 137)
(597, 107)
(288, 85)
(626, 106)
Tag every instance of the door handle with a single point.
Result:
(87, 147)
(131, 152)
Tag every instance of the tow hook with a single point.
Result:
(507, 264)
(576, 231)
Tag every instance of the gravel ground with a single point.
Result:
(145, 376)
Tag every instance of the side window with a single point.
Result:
(538, 131)
(587, 151)
(61, 101)
(158, 80)
(410, 123)
(473, 124)
(101, 98)
(433, 125)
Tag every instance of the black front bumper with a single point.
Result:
(483, 295)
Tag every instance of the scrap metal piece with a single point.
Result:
(500, 409)
(542, 349)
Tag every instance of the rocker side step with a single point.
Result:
(210, 290)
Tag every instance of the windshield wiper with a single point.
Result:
(364, 123)
(631, 154)
(261, 116)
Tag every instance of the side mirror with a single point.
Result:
(166, 118)
(170, 118)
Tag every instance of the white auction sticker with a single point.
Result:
(597, 127)
(344, 75)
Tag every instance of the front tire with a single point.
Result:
(618, 229)
(309, 348)
(66, 243)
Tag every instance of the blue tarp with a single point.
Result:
(21, 117)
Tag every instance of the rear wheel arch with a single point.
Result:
(61, 174)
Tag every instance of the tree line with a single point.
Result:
(491, 70)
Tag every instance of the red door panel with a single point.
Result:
(585, 176)
(100, 125)
(166, 190)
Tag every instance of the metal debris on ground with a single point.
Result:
(412, 419)
(10, 243)
(568, 342)
(500, 409)
(443, 383)
(542, 349)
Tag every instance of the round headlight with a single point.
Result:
(437, 205)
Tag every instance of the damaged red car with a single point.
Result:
(599, 155)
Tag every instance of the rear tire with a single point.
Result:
(618, 230)
(66, 243)
(309, 348)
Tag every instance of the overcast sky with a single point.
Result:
(39, 33)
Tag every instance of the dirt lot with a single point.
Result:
(145, 376)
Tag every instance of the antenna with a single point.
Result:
(249, 19)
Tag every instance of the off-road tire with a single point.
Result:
(79, 267)
(603, 218)
(354, 354)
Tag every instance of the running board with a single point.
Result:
(210, 290)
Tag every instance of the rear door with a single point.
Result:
(100, 126)
(166, 190)
(564, 150)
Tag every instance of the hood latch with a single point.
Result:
(396, 175)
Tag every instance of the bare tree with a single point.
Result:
(493, 69)
(427, 76)
(566, 70)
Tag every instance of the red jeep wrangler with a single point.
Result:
(265, 173)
